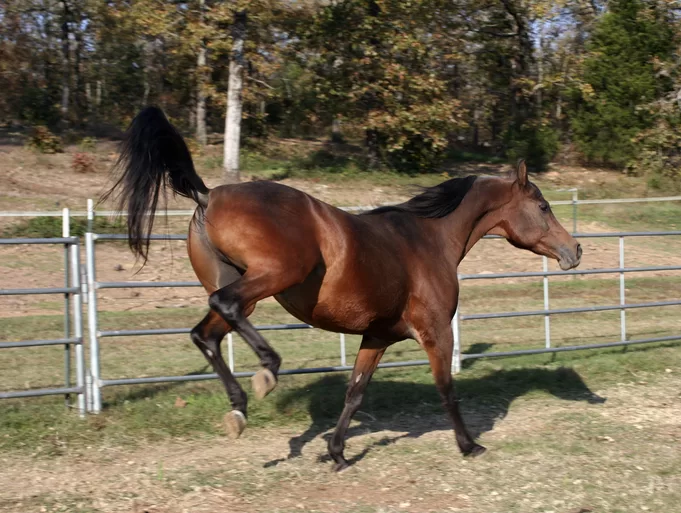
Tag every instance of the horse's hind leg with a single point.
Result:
(233, 301)
(207, 336)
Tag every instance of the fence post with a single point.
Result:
(78, 327)
(456, 356)
(343, 358)
(623, 312)
(547, 317)
(66, 232)
(92, 310)
(575, 202)
(230, 351)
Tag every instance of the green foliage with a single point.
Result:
(403, 79)
(88, 144)
(48, 227)
(44, 141)
(658, 155)
(536, 145)
(621, 79)
(373, 64)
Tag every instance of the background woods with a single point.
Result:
(410, 83)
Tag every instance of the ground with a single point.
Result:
(591, 431)
(610, 449)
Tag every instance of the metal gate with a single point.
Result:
(73, 325)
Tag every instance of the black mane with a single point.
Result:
(434, 202)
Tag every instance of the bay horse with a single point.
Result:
(389, 274)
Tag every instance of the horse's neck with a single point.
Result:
(475, 217)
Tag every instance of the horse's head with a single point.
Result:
(527, 222)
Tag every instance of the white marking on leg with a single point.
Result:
(358, 378)
(209, 353)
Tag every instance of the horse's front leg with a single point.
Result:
(370, 352)
(438, 342)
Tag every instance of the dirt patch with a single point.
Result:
(545, 455)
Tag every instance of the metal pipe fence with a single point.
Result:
(73, 333)
(574, 202)
(89, 380)
(623, 306)
(95, 334)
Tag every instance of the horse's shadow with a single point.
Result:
(415, 408)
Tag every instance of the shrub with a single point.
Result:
(44, 141)
(83, 163)
(658, 155)
(88, 144)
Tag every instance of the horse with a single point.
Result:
(389, 274)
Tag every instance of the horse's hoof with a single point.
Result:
(235, 423)
(263, 383)
(475, 451)
(341, 467)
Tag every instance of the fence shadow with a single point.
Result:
(149, 391)
(477, 348)
(415, 408)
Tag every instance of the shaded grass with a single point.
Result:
(174, 354)
(135, 414)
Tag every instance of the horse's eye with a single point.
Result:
(544, 207)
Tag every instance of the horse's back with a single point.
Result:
(348, 270)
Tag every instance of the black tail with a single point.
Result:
(153, 157)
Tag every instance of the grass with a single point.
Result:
(46, 227)
(140, 414)
(554, 442)
(542, 416)
(148, 412)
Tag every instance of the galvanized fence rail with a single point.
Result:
(73, 325)
(623, 306)
(575, 202)
(95, 334)
(90, 382)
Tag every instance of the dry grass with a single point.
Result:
(554, 446)
(545, 455)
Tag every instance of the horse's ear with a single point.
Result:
(521, 173)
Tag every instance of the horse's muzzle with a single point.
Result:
(570, 258)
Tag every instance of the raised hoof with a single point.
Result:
(235, 423)
(473, 452)
(263, 383)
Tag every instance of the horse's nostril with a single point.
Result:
(579, 251)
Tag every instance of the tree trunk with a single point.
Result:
(234, 100)
(373, 148)
(201, 86)
(201, 97)
(77, 45)
(540, 69)
(66, 65)
(148, 58)
(336, 133)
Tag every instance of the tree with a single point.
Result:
(377, 64)
(234, 99)
(620, 79)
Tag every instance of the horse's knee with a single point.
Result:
(205, 344)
